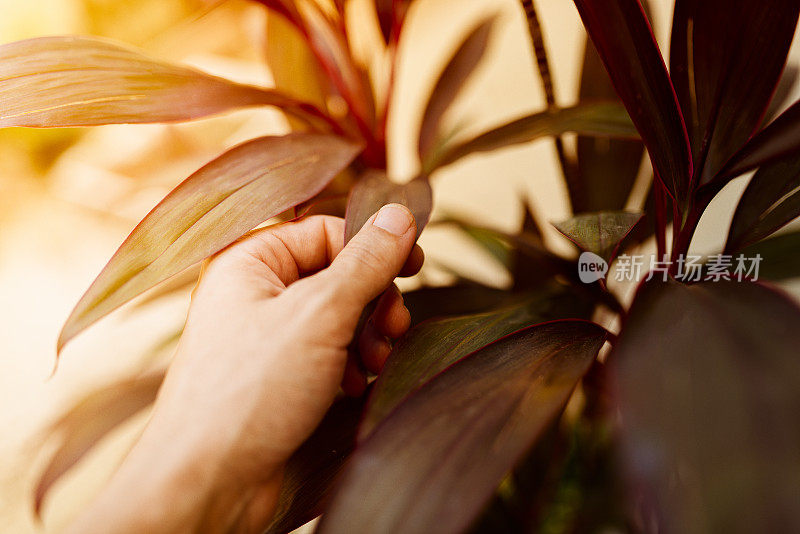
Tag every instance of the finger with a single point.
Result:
(373, 348)
(414, 262)
(372, 259)
(391, 317)
(292, 249)
(354, 381)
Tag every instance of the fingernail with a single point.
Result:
(394, 218)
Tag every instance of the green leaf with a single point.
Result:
(450, 83)
(209, 210)
(79, 81)
(434, 345)
(89, 421)
(310, 472)
(780, 256)
(709, 391)
(374, 190)
(599, 232)
(771, 200)
(436, 460)
(600, 119)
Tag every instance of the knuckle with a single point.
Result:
(373, 259)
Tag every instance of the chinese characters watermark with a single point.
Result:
(689, 268)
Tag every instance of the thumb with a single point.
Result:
(373, 258)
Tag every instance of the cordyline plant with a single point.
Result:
(687, 424)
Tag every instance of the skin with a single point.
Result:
(263, 355)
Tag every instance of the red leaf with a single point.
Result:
(450, 82)
(435, 461)
(771, 200)
(310, 472)
(708, 380)
(78, 81)
(374, 190)
(726, 59)
(623, 38)
(90, 420)
(209, 210)
(780, 260)
(781, 138)
(431, 347)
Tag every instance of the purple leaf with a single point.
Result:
(374, 190)
(726, 59)
(780, 139)
(708, 378)
(434, 345)
(436, 460)
(771, 200)
(623, 38)
(780, 256)
(310, 472)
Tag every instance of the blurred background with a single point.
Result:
(69, 197)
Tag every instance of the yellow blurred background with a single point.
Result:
(69, 197)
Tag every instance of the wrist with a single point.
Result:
(173, 482)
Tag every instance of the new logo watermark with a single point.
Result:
(591, 267)
(690, 268)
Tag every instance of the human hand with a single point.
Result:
(262, 356)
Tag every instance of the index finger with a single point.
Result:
(293, 249)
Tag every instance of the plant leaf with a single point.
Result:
(434, 463)
(607, 168)
(525, 268)
(600, 119)
(459, 299)
(780, 139)
(209, 210)
(600, 232)
(91, 419)
(450, 83)
(295, 71)
(783, 92)
(434, 345)
(80, 81)
(626, 45)
(708, 380)
(771, 200)
(726, 59)
(374, 190)
(490, 241)
(311, 470)
(780, 256)
(525, 244)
